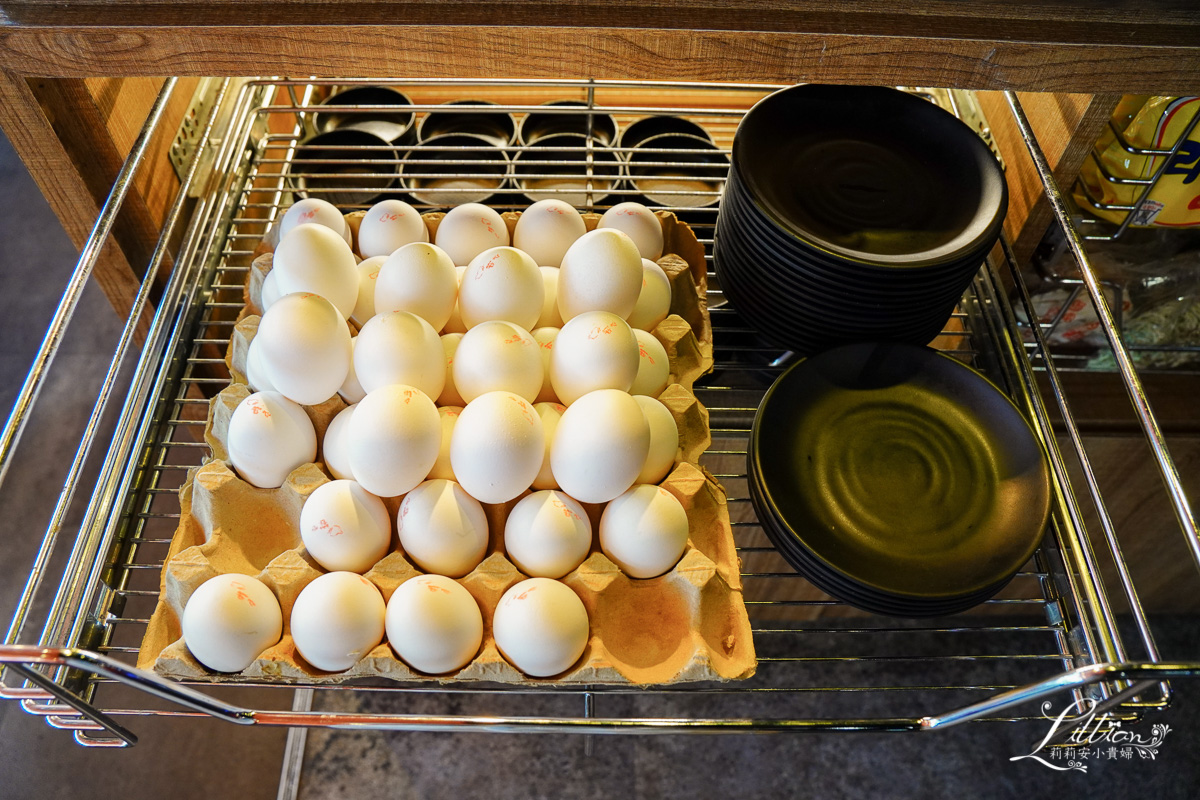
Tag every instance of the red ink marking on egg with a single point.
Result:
(484, 221)
(598, 331)
(559, 407)
(568, 513)
(526, 411)
(241, 593)
(549, 344)
(452, 412)
(373, 274)
(408, 396)
(332, 530)
(644, 354)
(516, 338)
(433, 587)
(390, 217)
(555, 210)
(308, 214)
(526, 593)
(257, 408)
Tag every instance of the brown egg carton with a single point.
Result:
(682, 260)
(687, 625)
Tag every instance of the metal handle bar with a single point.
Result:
(1146, 673)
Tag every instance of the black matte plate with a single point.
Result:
(901, 469)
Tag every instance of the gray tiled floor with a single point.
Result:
(194, 759)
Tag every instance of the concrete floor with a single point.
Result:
(200, 759)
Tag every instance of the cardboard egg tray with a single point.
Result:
(687, 625)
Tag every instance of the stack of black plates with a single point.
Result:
(852, 214)
(897, 479)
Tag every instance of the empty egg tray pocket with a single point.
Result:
(687, 625)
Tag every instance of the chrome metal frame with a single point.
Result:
(109, 585)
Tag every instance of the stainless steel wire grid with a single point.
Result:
(822, 665)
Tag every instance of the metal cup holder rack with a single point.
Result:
(1054, 630)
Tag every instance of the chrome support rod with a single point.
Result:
(17, 418)
(1133, 384)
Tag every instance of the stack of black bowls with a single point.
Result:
(853, 214)
(897, 479)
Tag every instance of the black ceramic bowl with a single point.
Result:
(870, 174)
(476, 117)
(563, 167)
(540, 124)
(380, 110)
(346, 167)
(453, 169)
(900, 470)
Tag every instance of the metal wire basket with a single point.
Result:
(821, 666)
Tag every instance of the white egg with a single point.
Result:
(442, 468)
(312, 258)
(541, 627)
(639, 223)
(450, 395)
(351, 390)
(595, 350)
(550, 318)
(550, 414)
(654, 301)
(468, 230)
(393, 439)
(315, 210)
(455, 323)
(497, 356)
(434, 624)
(270, 291)
(602, 271)
(399, 347)
(546, 229)
(229, 620)
(600, 446)
(389, 225)
(268, 437)
(545, 337)
(306, 348)
(497, 447)
(256, 370)
(664, 440)
(336, 620)
(442, 528)
(644, 531)
(654, 369)
(547, 534)
(334, 447)
(368, 274)
(344, 527)
(501, 283)
(418, 278)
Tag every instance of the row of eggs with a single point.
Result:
(431, 622)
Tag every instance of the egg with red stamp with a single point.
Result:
(497, 446)
(305, 348)
(550, 413)
(502, 283)
(312, 258)
(318, 211)
(418, 278)
(229, 621)
(595, 350)
(664, 440)
(442, 529)
(546, 229)
(600, 446)
(336, 620)
(389, 225)
(654, 301)
(547, 534)
(654, 369)
(644, 531)
(368, 274)
(434, 624)
(546, 337)
(601, 271)
(469, 229)
(639, 223)
(268, 437)
(393, 439)
(442, 468)
(344, 527)
(399, 347)
(497, 356)
(541, 627)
